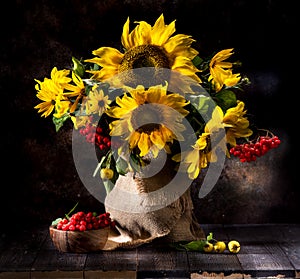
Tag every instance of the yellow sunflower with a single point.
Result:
(147, 46)
(50, 91)
(234, 122)
(77, 89)
(221, 70)
(198, 158)
(149, 119)
(97, 102)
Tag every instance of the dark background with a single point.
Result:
(39, 179)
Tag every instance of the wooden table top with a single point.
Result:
(267, 250)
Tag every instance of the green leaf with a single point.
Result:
(196, 245)
(136, 162)
(225, 99)
(209, 236)
(108, 185)
(78, 67)
(121, 166)
(197, 61)
(59, 122)
(56, 221)
(200, 103)
(177, 246)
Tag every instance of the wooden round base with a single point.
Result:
(79, 242)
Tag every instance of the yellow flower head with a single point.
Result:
(234, 122)
(97, 102)
(148, 119)
(77, 89)
(198, 158)
(221, 70)
(50, 91)
(147, 46)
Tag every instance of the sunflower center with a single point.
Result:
(144, 56)
(146, 118)
(101, 104)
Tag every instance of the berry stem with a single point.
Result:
(67, 215)
(267, 131)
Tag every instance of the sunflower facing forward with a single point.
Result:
(147, 46)
(148, 119)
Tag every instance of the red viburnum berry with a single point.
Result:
(248, 152)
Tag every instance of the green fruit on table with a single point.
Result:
(234, 246)
(208, 247)
(219, 246)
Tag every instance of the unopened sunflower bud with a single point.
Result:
(106, 173)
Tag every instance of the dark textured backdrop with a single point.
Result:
(40, 181)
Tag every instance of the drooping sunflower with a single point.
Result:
(77, 89)
(148, 119)
(221, 70)
(196, 159)
(147, 46)
(234, 122)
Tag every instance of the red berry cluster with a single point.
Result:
(248, 152)
(96, 135)
(81, 221)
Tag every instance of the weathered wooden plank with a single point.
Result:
(260, 253)
(16, 260)
(48, 243)
(163, 274)
(96, 274)
(57, 275)
(20, 251)
(212, 262)
(266, 250)
(15, 275)
(292, 251)
(49, 260)
(161, 260)
(117, 260)
(221, 275)
(201, 263)
(264, 260)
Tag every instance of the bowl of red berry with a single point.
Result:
(82, 232)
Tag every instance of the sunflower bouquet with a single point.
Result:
(157, 94)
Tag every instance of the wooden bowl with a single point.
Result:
(79, 242)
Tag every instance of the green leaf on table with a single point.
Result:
(56, 221)
(195, 245)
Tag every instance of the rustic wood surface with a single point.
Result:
(267, 250)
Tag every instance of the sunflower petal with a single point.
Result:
(162, 32)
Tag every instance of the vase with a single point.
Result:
(152, 204)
